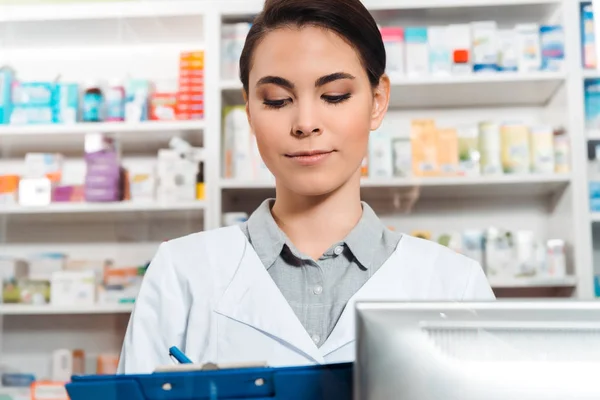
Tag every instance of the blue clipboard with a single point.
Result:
(319, 382)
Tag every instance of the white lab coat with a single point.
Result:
(210, 295)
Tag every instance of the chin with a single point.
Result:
(313, 185)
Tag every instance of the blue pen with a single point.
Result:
(179, 356)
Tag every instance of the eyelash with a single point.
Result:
(334, 100)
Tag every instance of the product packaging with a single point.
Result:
(33, 103)
(137, 94)
(489, 147)
(237, 144)
(67, 103)
(499, 253)
(163, 106)
(447, 151)
(556, 260)
(472, 245)
(44, 165)
(562, 153)
(115, 102)
(73, 287)
(485, 46)
(525, 254)
(423, 138)
(459, 38)
(440, 61)
(468, 151)
(233, 37)
(542, 149)
(402, 152)
(176, 177)
(9, 189)
(515, 148)
(190, 101)
(393, 40)
(142, 184)
(380, 153)
(93, 103)
(591, 89)
(529, 47)
(35, 192)
(508, 60)
(588, 36)
(417, 53)
(552, 39)
(6, 83)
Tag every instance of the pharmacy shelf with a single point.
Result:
(99, 208)
(591, 73)
(249, 7)
(105, 127)
(484, 186)
(48, 309)
(595, 217)
(593, 134)
(565, 282)
(15, 393)
(484, 89)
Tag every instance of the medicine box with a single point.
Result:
(440, 62)
(417, 53)
(73, 287)
(485, 46)
(6, 83)
(552, 40)
(592, 103)
(528, 47)
(393, 40)
(588, 36)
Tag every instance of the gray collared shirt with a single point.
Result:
(318, 290)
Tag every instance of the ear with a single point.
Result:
(381, 102)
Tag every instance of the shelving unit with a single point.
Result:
(143, 38)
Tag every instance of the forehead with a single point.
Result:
(312, 50)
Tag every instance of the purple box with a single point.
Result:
(62, 194)
(102, 157)
(102, 194)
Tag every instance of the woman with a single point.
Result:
(281, 289)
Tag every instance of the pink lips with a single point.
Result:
(309, 158)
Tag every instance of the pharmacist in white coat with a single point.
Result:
(281, 288)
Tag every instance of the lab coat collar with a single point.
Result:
(378, 287)
(254, 299)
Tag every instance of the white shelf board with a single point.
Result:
(249, 7)
(591, 73)
(593, 134)
(484, 186)
(17, 393)
(97, 208)
(566, 282)
(473, 90)
(48, 309)
(104, 127)
(101, 10)
(595, 217)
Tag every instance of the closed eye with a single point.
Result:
(336, 99)
(276, 103)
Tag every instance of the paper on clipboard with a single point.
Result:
(208, 367)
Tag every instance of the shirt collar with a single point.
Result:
(268, 240)
(265, 236)
(366, 237)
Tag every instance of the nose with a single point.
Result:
(307, 121)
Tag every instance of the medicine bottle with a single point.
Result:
(92, 103)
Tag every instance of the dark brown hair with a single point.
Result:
(348, 18)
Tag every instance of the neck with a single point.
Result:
(314, 223)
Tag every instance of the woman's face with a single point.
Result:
(311, 107)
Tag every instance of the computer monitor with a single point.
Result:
(477, 351)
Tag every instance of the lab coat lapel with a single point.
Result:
(253, 298)
(385, 284)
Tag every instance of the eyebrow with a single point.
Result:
(324, 80)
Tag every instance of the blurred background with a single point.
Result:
(121, 126)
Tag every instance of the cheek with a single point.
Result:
(353, 123)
